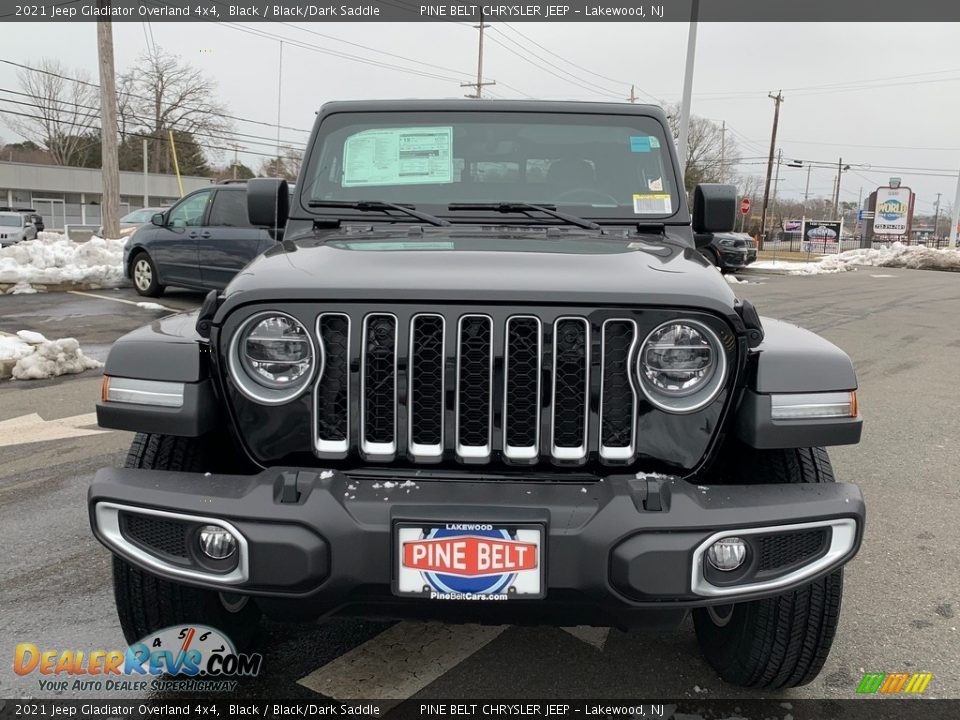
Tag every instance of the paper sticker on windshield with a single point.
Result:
(652, 204)
(398, 156)
(640, 143)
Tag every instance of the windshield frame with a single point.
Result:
(420, 114)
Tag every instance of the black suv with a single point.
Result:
(486, 376)
(728, 250)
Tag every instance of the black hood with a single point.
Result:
(474, 265)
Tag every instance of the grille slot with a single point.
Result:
(781, 551)
(378, 382)
(618, 398)
(333, 388)
(521, 395)
(571, 388)
(155, 533)
(426, 386)
(474, 410)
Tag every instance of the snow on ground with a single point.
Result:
(54, 260)
(897, 255)
(30, 356)
(151, 306)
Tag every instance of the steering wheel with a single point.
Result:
(571, 195)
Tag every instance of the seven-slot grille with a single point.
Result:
(474, 387)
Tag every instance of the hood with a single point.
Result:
(453, 265)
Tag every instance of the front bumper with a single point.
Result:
(325, 538)
(738, 257)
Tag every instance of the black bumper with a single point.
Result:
(325, 539)
(737, 258)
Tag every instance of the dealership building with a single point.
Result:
(71, 195)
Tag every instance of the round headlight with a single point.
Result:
(681, 366)
(272, 357)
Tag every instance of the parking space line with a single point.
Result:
(121, 300)
(400, 661)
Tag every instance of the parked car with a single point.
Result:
(133, 220)
(729, 251)
(199, 243)
(486, 363)
(14, 228)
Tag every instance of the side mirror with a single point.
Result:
(268, 202)
(158, 220)
(714, 208)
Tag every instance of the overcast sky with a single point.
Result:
(883, 95)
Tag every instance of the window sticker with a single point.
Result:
(652, 204)
(655, 184)
(654, 142)
(640, 143)
(398, 156)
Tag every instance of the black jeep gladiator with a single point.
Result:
(484, 375)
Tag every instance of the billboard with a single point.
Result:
(892, 211)
(822, 235)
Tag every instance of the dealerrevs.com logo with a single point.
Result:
(190, 657)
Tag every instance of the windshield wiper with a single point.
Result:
(522, 207)
(378, 206)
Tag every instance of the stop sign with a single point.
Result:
(745, 206)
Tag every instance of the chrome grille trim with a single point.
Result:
(380, 451)
(474, 453)
(333, 447)
(574, 453)
(529, 453)
(608, 452)
(419, 451)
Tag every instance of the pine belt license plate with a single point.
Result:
(469, 561)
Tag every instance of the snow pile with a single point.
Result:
(52, 259)
(30, 356)
(22, 288)
(897, 255)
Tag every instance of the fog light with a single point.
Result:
(727, 554)
(217, 543)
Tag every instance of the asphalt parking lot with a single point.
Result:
(901, 603)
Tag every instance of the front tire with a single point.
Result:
(146, 603)
(146, 281)
(783, 641)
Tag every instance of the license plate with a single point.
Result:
(469, 561)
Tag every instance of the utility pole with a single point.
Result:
(146, 177)
(688, 89)
(836, 194)
(109, 161)
(723, 149)
(955, 220)
(633, 95)
(279, 98)
(936, 216)
(806, 191)
(479, 84)
(776, 182)
(778, 98)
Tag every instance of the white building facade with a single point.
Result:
(72, 196)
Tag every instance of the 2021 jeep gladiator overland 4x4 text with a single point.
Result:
(485, 375)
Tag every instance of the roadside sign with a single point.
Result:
(745, 206)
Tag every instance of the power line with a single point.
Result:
(579, 67)
(231, 136)
(149, 136)
(572, 79)
(141, 97)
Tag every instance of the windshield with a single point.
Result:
(138, 216)
(613, 167)
(10, 221)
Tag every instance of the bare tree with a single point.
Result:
(63, 109)
(710, 155)
(162, 93)
(286, 166)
